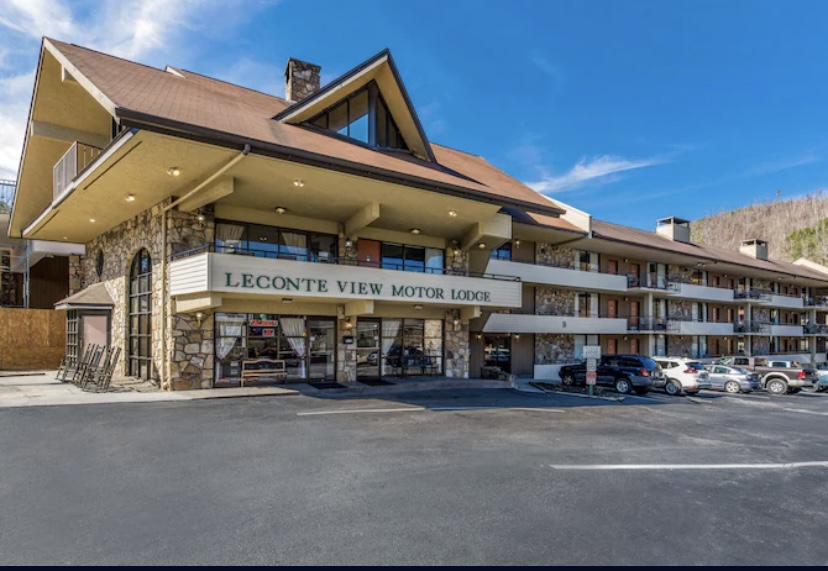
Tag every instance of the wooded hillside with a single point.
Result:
(793, 228)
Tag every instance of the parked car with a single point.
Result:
(777, 376)
(687, 375)
(822, 378)
(732, 379)
(625, 373)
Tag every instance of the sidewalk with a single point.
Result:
(42, 389)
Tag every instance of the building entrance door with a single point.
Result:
(322, 349)
(497, 352)
(369, 348)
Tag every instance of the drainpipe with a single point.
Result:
(165, 366)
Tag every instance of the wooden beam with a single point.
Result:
(470, 312)
(359, 307)
(60, 133)
(365, 217)
(196, 303)
(222, 187)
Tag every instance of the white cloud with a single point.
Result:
(587, 170)
(782, 164)
(143, 30)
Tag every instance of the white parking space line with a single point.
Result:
(360, 411)
(780, 466)
(461, 408)
(806, 411)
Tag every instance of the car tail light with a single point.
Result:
(645, 373)
(802, 374)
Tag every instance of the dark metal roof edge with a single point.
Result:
(224, 139)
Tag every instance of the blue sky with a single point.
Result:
(631, 111)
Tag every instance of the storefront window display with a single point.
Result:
(302, 347)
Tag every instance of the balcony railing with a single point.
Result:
(752, 294)
(816, 301)
(71, 164)
(752, 327)
(322, 258)
(7, 188)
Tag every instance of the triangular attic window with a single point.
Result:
(363, 116)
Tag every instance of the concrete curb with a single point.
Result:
(367, 390)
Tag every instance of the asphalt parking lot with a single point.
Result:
(442, 477)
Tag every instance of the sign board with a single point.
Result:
(592, 351)
(592, 365)
(591, 377)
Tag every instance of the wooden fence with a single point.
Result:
(31, 339)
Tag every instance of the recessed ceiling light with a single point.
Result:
(130, 198)
(262, 238)
(418, 306)
(452, 213)
(299, 182)
(415, 231)
(280, 210)
(482, 245)
(66, 237)
(173, 171)
(287, 300)
(92, 220)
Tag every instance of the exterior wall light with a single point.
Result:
(517, 336)
(199, 317)
(349, 243)
(200, 217)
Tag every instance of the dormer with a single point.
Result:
(368, 105)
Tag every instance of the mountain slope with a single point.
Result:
(793, 228)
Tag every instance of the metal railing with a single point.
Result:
(752, 327)
(321, 258)
(815, 301)
(753, 293)
(71, 164)
(7, 189)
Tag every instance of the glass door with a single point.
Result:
(368, 348)
(497, 352)
(322, 340)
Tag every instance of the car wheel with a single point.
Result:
(568, 381)
(776, 387)
(623, 386)
(673, 388)
(732, 387)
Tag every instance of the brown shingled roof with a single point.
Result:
(149, 96)
(617, 233)
(96, 295)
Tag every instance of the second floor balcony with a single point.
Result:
(71, 164)
(565, 277)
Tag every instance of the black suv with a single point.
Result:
(625, 373)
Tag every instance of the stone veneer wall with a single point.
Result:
(680, 273)
(679, 308)
(553, 301)
(761, 315)
(759, 345)
(75, 274)
(346, 356)
(8, 282)
(456, 347)
(680, 345)
(190, 355)
(554, 348)
(558, 256)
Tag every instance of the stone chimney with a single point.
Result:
(301, 79)
(754, 248)
(676, 229)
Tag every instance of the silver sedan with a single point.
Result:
(732, 379)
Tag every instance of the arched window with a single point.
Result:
(140, 316)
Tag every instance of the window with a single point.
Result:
(363, 116)
(99, 263)
(411, 258)
(504, 252)
(140, 316)
(272, 242)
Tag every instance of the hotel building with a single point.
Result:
(324, 233)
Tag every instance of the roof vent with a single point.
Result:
(676, 229)
(754, 248)
(301, 79)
